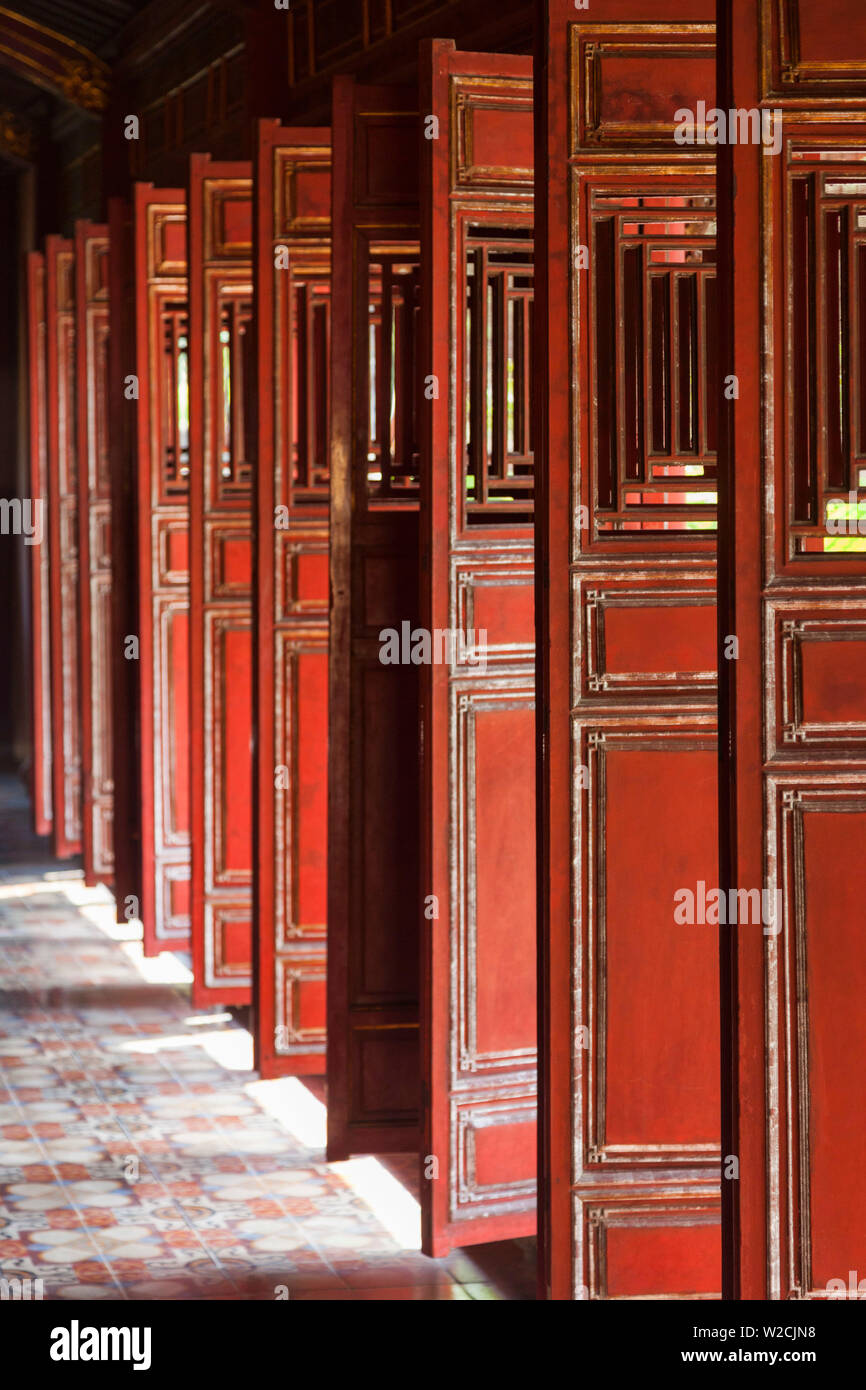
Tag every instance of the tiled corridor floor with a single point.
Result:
(141, 1158)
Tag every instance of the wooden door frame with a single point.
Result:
(212, 259)
(464, 1095)
(41, 773)
(290, 622)
(91, 241)
(65, 690)
(390, 1024)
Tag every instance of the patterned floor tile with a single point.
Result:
(133, 1164)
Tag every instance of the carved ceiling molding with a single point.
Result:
(52, 61)
(16, 138)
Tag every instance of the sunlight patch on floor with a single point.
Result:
(387, 1198)
(230, 1048)
(294, 1108)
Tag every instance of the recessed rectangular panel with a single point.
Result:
(813, 52)
(834, 679)
(232, 769)
(228, 947)
(173, 671)
(496, 1155)
(311, 578)
(310, 791)
(497, 606)
(172, 548)
(630, 81)
(638, 1250)
(386, 1067)
(387, 962)
(387, 162)
(495, 136)
(169, 243)
(641, 640)
(661, 1084)
(822, 663)
(496, 768)
(306, 195)
(232, 561)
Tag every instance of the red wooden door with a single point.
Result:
(222, 445)
(63, 545)
(626, 467)
(792, 590)
(124, 690)
(39, 566)
(94, 549)
(292, 297)
(374, 902)
(478, 996)
(161, 379)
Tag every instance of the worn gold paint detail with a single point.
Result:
(683, 41)
(15, 137)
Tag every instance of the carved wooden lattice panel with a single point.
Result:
(39, 561)
(793, 591)
(373, 886)
(163, 467)
(94, 550)
(62, 518)
(293, 306)
(478, 700)
(222, 455)
(626, 483)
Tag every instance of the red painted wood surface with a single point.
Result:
(222, 459)
(374, 901)
(292, 297)
(94, 548)
(61, 359)
(626, 430)
(478, 995)
(40, 779)
(162, 476)
(793, 590)
(124, 691)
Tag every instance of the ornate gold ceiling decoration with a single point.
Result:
(52, 61)
(16, 138)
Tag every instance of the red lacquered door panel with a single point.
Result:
(792, 587)
(626, 468)
(161, 368)
(39, 561)
(222, 457)
(61, 361)
(94, 549)
(124, 691)
(374, 905)
(478, 996)
(292, 296)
